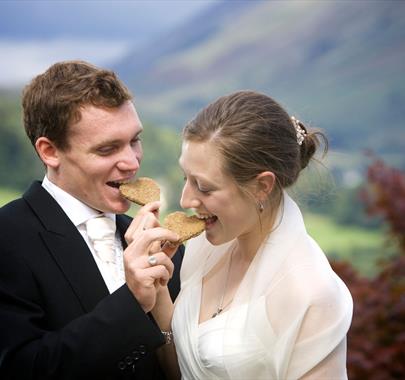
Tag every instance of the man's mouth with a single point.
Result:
(116, 184)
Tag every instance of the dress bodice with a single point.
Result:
(211, 353)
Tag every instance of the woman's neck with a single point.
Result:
(248, 244)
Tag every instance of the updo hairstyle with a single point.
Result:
(253, 133)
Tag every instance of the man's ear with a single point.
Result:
(48, 152)
(265, 182)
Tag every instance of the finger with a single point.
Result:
(130, 233)
(148, 277)
(155, 247)
(150, 221)
(150, 207)
(160, 274)
(140, 223)
(161, 258)
(169, 248)
(154, 208)
(141, 245)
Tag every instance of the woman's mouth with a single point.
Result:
(208, 219)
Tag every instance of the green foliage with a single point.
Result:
(18, 162)
(376, 337)
(7, 195)
(161, 148)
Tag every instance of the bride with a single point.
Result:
(258, 297)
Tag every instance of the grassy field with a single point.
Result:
(362, 247)
(7, 195)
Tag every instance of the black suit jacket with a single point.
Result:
(57, 318)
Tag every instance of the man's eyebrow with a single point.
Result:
(115, 141)
(118, 141)
(108, 142)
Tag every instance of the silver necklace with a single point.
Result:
(221, 305)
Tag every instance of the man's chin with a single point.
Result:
(122, 208)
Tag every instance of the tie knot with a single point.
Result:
(101, 233)
(100, 228)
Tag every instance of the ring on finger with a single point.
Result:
(152, 260)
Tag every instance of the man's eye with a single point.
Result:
(105, 150)
(135, 141)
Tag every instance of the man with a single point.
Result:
(65, 311)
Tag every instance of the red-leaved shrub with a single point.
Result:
(376, 339)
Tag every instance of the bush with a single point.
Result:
(376, 339)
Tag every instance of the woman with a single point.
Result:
(258, 298)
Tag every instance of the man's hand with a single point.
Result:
(144, 277)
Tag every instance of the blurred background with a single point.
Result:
(336, 65)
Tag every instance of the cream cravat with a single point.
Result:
(101, 234)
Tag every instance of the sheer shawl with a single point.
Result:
(290, 313)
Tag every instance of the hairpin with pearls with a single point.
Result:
(301, 133)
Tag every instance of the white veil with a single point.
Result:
(290, 312)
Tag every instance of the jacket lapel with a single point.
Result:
(67, 247)
(123, 222)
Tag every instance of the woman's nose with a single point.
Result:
(188, 198)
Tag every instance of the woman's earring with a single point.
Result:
(261, 207)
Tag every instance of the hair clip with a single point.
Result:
(301, 133)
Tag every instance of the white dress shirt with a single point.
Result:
(79, 213)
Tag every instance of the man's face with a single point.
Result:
(105, 150)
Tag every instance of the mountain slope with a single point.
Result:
(338, 65)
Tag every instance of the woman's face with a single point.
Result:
(214, 195)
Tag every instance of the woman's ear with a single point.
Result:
(48, 152)
(264, 185)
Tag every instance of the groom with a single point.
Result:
(65, 312)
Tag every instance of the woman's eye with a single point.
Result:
(202, 190)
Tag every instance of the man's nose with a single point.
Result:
(130, 159)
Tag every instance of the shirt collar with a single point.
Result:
(77, 211)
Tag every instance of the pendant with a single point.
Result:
(219, 310)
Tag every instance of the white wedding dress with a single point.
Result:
(289, 317)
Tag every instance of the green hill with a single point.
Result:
(338, 65)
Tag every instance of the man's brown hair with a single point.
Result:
(53, 99)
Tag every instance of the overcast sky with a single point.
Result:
(36, 33)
